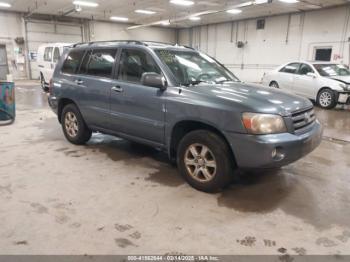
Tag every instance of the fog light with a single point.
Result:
(277, 154)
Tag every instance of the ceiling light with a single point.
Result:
(245, 4)
(182, 2)
(234, 11)
(258, 2)
(6, 5)
(289, 1)
(85, 3)
(195, 18)
(165, 23)
(146, 12)
(119, 18)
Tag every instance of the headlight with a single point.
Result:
(344, 86)
(262, 124)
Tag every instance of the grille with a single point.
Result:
(303, 119)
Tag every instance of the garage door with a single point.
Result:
(3, 62)
(43, 32)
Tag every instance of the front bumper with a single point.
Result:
(344, 98)
(253, 151)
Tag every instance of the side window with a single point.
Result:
(72, 62)
(305, 69)
(133, 63)
(291, 68)
(100, 62)
(48, 54)
(56, 54)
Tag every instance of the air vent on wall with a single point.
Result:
(260, 24)
(19, 40)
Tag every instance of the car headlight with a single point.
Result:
(344, 86)
(263, 124)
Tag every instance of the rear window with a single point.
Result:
(291, 68)
(48, 54)
(72, 62)
(99, 63)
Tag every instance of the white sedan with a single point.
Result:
(326, 83)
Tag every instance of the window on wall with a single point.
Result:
(323, 54)
(48, 54)
(260, 24)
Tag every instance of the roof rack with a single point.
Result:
(137, 42)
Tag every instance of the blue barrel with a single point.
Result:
(7, 102)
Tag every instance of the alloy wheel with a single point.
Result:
(71, 124)
(325, 99)
(200, 162)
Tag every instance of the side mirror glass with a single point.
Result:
(154, 80)
(311, 74)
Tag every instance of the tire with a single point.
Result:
(327, 98)
(73, 125)
(207, 178)
(274, 84)
(42, 83)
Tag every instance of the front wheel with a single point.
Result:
(274, 84)
(204, 160)
(327, 99)
(73, 125)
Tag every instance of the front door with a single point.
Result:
(136, 110)
(306, 85)
(3, 63)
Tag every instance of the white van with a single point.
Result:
(48, 56)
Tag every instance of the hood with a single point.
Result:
(343, 79)
(253, 98)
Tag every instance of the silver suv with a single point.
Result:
(185, 103)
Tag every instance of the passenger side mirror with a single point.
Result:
(154, 80)
(311, 74)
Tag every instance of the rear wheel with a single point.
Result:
(204, 160)
(274, 84)
(327, 99)
(73, 125)
(43, 84)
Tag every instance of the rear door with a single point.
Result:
(95, 81)
(47, 63)
(286, 76)
(139, 109)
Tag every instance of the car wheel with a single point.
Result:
(274, 84)
(42, 84)
(73, 125)
(327, 99)
(204, 160)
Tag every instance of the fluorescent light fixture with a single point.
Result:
(234, 11)
(195, 18)
(85, 3)
(6, 5)
(245, 4)
(146, 12)
(165, 23)
(289, 1)
(119, 18)
(259, 2)
(182, 2)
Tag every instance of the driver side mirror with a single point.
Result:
(311, 74)
(154, 80)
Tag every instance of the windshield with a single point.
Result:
(332, 70)
(191, 68)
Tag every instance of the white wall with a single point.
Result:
(10, 28)
(100, 31)
(268, 48)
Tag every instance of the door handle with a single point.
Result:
(79, 82)
(117, 89)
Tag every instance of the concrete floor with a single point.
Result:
(115, 197)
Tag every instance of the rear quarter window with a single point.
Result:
(72, 62)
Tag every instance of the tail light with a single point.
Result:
(51, 87)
